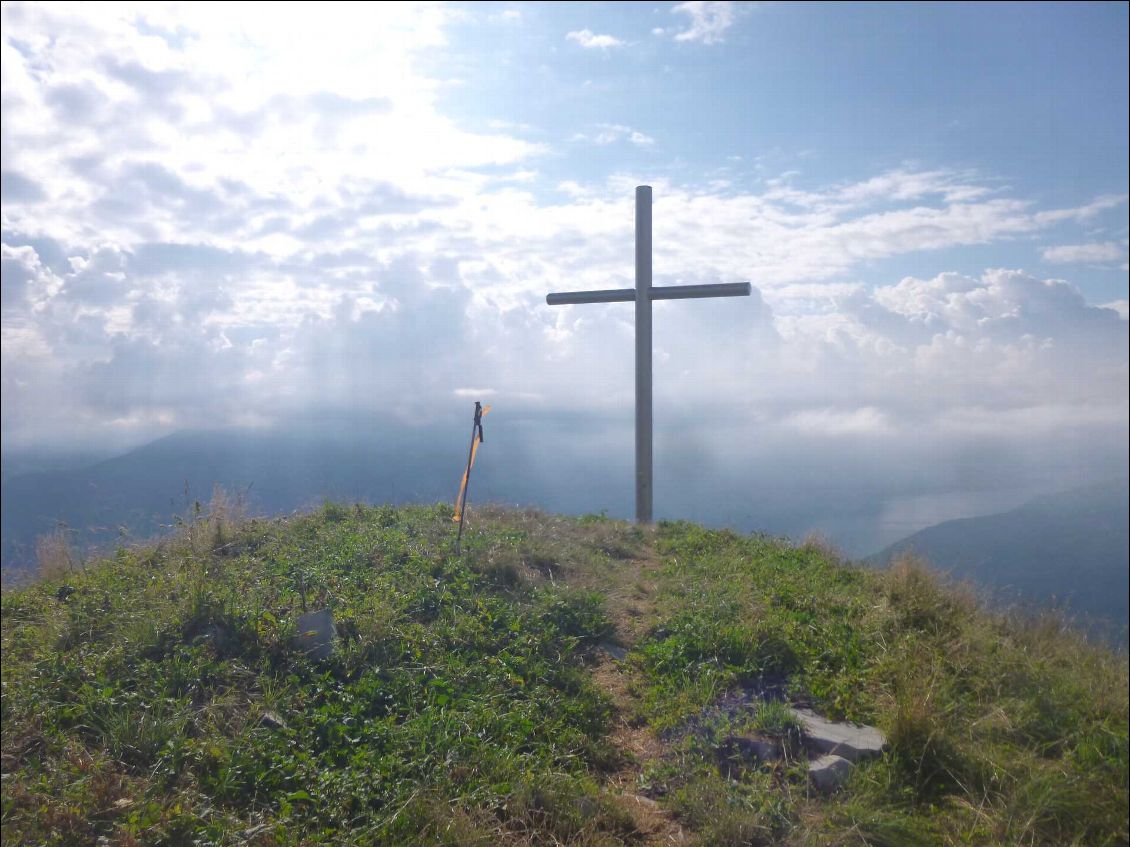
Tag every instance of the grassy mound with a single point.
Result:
(159, 697)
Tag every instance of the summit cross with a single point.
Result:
(642, 295)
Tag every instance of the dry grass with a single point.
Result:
(212, 528)
(54, 555)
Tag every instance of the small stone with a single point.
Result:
(829, 772)
(316, 634)
(271, 721)
(216, 635)
(765, 751)
(640, 800)
(850, 741)
(614, 650)
(757, 750)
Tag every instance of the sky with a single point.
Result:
(225, 215)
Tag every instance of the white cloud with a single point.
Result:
(708, 20)
(1106, 252)
(182, 253)
(591, 41)
(1121, 307)
(835, 422)
(611, 133)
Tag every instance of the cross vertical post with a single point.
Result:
(644, 454)
(642, 295)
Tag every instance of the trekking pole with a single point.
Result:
(461, 497)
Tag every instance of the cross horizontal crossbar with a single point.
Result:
(663, 292)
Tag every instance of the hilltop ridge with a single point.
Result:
(564, 681)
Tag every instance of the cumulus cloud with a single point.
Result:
(1096, 253)
(591, 41)
(708, 20)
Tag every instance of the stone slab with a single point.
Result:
(849, 741)
(829, 772)
(316, 634)
(614, 650)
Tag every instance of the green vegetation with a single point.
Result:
(1001, 730)
(158, 697)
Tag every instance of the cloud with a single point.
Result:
(1120, 307)
(708, 20)
(591, 41)
(1106, 252)
(611, 133)
(275, 240)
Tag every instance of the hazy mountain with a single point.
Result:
(16, 463)
(136, 494)
(562, 463)
(1068, 549)
(148, 487)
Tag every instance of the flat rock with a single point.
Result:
(847, 740)
(614, 650)
(829, 772)
(316, 634)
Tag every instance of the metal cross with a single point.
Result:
(642, 295)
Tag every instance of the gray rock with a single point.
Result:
(316, 634)
(640, 800)
(271, 721)
(829, 772)
(765, 751)
(850, 741)
(614, 650)
(216, 635)
(756, 750)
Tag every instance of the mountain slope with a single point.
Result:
(151, 486)
(1070, 549)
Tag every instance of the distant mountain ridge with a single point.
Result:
(137, 493)
(132, 496)
(1069, 549)
(150, 486)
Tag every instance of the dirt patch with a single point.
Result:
(631, 608)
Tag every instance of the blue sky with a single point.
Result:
(224, 215)
(1030, 99)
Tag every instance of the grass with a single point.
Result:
(456, 708)
(1002, 730)
(158, 697)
